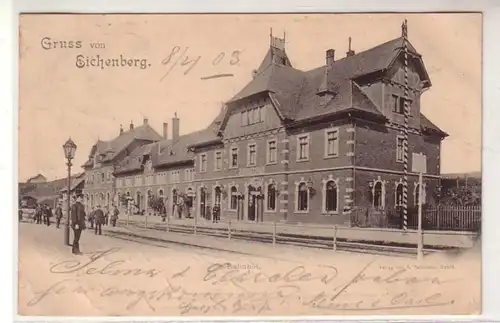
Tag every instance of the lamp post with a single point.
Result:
(69, 152)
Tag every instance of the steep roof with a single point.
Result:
(297, 94)
(427, 126)
(110, 149)
(180, 150)
(36, 177)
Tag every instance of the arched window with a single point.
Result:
(234, 198)
(331, 195)
(217, 196)
(101, 199)
(399, 194)
(377, 195)
(303, 197)
(271, 197)
(108, 199)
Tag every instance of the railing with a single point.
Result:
(447, 218)
(322, 236)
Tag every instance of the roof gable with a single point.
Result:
(109, 150)
(299, 94)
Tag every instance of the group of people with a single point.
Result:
(101, 216)
(96, 218)
(43, 214)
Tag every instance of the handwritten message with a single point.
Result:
(178, 58)
(223, 288)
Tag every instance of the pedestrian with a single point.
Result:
(45, 213)
(106, 215)
(77, 223)
(99, 220)
(216, 213)
(49, 215)
(114, 216)
(59, 215)
(91, 217)
(40, 215)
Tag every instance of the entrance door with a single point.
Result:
(252, 198)
(139, 201)
(203, 202)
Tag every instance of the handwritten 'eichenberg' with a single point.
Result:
(120, 61)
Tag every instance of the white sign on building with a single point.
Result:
(419, 163)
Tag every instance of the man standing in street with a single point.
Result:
(77, 223)
(106, 215)
(59, 215)
(99, 220)
(91, 218)
(49, 214)
(114, 216)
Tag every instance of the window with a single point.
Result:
(332, 143)
(271, 197)
(234, 199)
(102, 177)
(252, 155)
(252, 116)
(377, 195)
(203, 163)
(272, 152)
(234, 157)
(331, 195)
(399, 194)
(400, 141)
(302, 198)
(398, 104)
(303, 148)
(218, 160)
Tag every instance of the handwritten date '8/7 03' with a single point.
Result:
(179, 57)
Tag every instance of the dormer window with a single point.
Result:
(398, 104)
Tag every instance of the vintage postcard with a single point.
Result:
(249, 164)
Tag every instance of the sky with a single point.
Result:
(58, 100)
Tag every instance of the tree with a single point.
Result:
(461, 196)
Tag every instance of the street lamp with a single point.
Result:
(69, 152)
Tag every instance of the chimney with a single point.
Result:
(145, 121)
(121, 129)
(175, 128)
(350, 52)
(165, 130)
(330, 57)
(131, 125)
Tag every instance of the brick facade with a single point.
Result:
(298, 146)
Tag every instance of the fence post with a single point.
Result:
(168, 222)
(146, 220)
(229, 229)
(274, 233)
(195, 227)
(335, 238)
